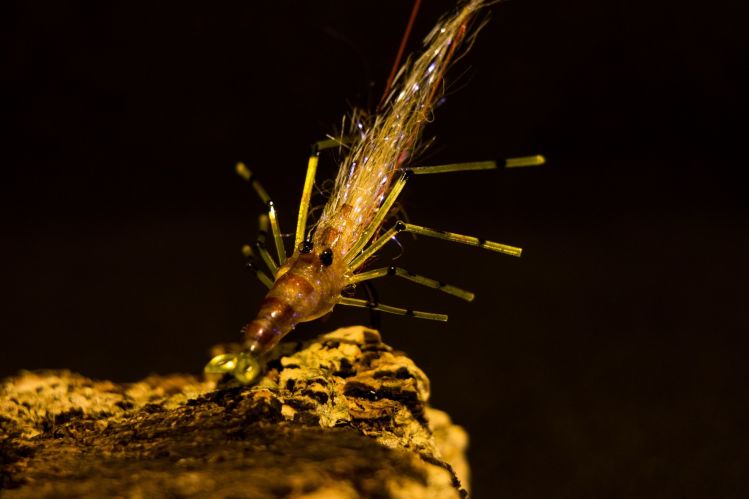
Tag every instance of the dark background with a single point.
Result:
(608, 362)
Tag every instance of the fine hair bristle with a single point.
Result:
(382, 144)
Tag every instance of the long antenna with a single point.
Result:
(401, 49)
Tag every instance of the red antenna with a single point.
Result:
(401, 49)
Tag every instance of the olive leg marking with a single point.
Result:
(418, 279)
(519, 162)
(454, 167)
(375, 317)
(373, 248)
(265, 256)
(401, 226)
(276, 230)
(246, 174)
(309, 183)
(260, 248)
(524, 161)
(355, 259)
(330, 143)
(382, 212)
(252, 264)
(356, 302)
(462, 239)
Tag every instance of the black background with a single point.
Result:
(608, 362)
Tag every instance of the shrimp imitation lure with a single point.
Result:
(329, 257)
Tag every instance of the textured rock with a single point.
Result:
(342, 416)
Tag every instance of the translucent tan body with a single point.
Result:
(350, 230)
(304, 290)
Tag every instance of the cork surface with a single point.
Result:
(341, 416)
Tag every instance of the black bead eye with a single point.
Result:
(326, 257)
(305, 247)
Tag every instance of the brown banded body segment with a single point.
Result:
(305, 289)
(263, 333)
